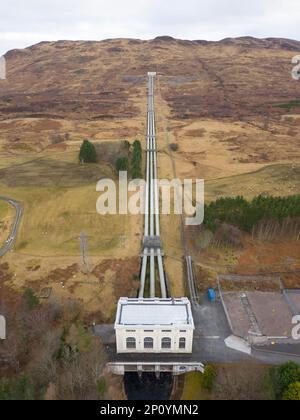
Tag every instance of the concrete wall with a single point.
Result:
(157, 335)
(174, 368)
(2, 328)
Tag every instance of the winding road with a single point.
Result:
(13, 233)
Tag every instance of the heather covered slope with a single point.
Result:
(228, 110)
(231, 78)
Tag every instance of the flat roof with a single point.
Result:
(159, 312)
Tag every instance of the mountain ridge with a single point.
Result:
(233, 78)
(266, 42)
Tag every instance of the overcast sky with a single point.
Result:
(26, 22)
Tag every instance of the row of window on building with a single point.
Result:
(166, 343)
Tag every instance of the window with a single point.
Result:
(131, 343)
(166, 343)
(148, 343)
(183, 331)
(166, 331)
(182, 343)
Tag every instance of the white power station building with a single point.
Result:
(154, 326)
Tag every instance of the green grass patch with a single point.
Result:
(288, 106)
(101, 385)
(193, 388)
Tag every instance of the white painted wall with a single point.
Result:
(158, 334)
(2, 328)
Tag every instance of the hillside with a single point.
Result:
(61, 91)
(229, 110)
(230, 78)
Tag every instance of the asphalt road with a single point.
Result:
(9, 243)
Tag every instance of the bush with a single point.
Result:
(88, 153)
(209, 377)
(101, 387)
(127, 145)
(282, 377)
(174, 147)
(31, 299)
(293, 392)
(16, 389)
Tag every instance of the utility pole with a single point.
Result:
(84, 253)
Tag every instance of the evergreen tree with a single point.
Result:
(247, 214)
(88, 153)
(136, 160)
(122, 164)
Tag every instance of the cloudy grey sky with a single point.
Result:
(25, 22)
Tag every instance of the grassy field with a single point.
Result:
(59, 200)
(52, 172)
(233, 382)
(4, 209)
(54, 218)
(274, 180)
(7, 214)
(193, 390)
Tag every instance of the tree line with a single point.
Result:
(247, 215)
(49, 353)
(132, 162)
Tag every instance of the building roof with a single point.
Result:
(154, 312)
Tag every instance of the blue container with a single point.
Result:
(211, 295)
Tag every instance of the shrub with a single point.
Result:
(209, 377)
(19, 389)
(293, 392)
(174, 147)
(7, 99)
(31, 299)
(22, 245)
(127, 145)
(101, 387)
(283, 376)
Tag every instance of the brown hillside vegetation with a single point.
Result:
(226, 111)
(230, 78)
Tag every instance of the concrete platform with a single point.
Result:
(271, 310)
